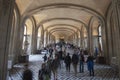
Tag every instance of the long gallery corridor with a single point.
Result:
(102, 72)
(49, 35)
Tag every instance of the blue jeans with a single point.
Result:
(81, 67)
(91, 71)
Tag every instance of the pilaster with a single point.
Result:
(6, 15)
(90, 40)
(116, 17)
(42, 36)
(81, 37)
(34, 39)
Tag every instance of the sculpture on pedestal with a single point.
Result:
(25, 47)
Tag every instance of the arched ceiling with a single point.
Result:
(62, 28)
(28, 5)
(67, 15)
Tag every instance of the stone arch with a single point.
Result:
(45, 21)
(13, 52)
(64, 5)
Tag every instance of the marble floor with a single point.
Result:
(102, 72)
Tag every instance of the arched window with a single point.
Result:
(25, 35)
(100, 37)
(25, 30)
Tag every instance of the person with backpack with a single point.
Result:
(43, 73)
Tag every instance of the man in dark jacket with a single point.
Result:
(81, 66)
(75, 60)
(68, 62)
(27, 74)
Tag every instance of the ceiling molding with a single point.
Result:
(62, 25)
(62, 29)
(48, 20)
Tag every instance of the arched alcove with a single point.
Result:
(27, 37)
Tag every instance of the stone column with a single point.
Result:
(116, 18)
(16, 38)
(34, 40)
(81, 37)
(49, 38)
(77, 39)
(74, 39)
(79, 42)
(90, 40)
(109, 39)
(42, 36)
(46, 38)
(6, 14)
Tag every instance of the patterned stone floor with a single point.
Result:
(102, 72)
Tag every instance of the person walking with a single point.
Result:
(55, 65)
(81, 66)
(43, 73)
(75, 60)
(90, 64)
(67, 61)
(45, 58)
(49, 65)
(27, 73)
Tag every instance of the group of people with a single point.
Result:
(79, 59)
(51, 64)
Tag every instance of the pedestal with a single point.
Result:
(101, 60)
(24, 59)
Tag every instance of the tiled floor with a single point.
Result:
(102, 72)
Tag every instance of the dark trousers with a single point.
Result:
(75, 68)
(68, 67)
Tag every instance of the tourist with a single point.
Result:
(27, 74)
(67, 62)
(90, 64)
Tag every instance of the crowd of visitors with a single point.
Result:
(56, 59)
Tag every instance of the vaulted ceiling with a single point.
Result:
(63, 18)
